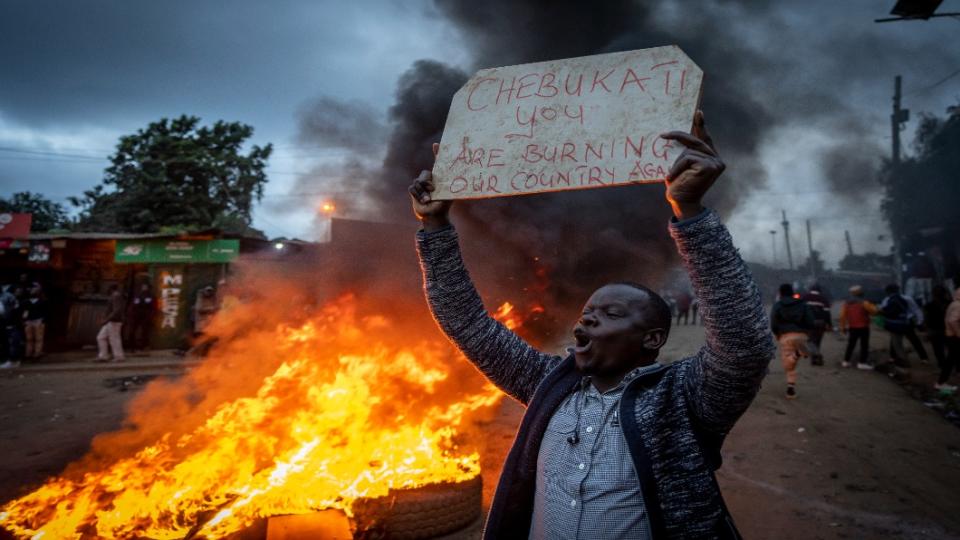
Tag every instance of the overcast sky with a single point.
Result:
(76, 75)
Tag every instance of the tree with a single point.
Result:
(176, 174)
(922, 192)
(47, 214)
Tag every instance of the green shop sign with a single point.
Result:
(176, 251)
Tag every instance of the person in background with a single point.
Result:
(110, 333)
(901, 317)
(9, 309)
(820, 307)
(791, 321)
(934, 316)
(855, 316)
(951, 332)
(15, 337)
(204, 309)
(683, 307)
(143, 308)
(34, 322)
(694, 308)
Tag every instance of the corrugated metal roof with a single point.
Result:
(98, 236)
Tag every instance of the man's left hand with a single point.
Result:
(694, 171)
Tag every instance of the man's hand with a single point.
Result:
(694, 171)
(433, 214)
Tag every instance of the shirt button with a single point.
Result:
(582, 466)
(573, 504)
(589, 429)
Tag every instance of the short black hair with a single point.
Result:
(657, 310)
(786, 289)
(892, 288)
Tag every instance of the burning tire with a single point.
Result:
(424, 512)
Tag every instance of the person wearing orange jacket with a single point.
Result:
(855, 316)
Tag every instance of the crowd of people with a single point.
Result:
(23, 314)
(683, 305)
(25, 309)
(799, 322)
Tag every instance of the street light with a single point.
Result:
(773, 244)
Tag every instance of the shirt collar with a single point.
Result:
(631, 375)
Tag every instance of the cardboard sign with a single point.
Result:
(577, 123)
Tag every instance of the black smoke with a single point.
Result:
(585, 238)
(761, 74)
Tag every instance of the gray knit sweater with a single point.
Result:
(674, 418)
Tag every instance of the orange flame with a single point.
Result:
(347, 414)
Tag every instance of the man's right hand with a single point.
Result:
(433, 214)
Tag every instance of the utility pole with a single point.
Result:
(846, 234)
(897, 119)
(786, 238)
(813, 267)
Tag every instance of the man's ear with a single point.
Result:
(654, 339)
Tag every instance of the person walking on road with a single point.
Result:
(952, 335)
(855, 316)
(901, 316)
(822, 322)
(34, 322)
(791, 321)
(111, 331)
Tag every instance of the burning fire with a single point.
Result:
(348, 413)
(507, 314)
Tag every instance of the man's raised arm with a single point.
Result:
(503, 357)
(725, 375)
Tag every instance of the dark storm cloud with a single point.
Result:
(90, 62)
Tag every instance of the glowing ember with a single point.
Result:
(348, 413)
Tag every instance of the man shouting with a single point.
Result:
(614, 444)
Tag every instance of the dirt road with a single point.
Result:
(853, 457)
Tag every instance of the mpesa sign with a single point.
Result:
(577, 123)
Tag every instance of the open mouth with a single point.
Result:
(582, 341)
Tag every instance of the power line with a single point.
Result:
(45, 153)
(926, 89)
(52, 159)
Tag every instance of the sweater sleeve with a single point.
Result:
(501, 355)
(724, 376)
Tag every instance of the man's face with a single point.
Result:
(613, 334)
